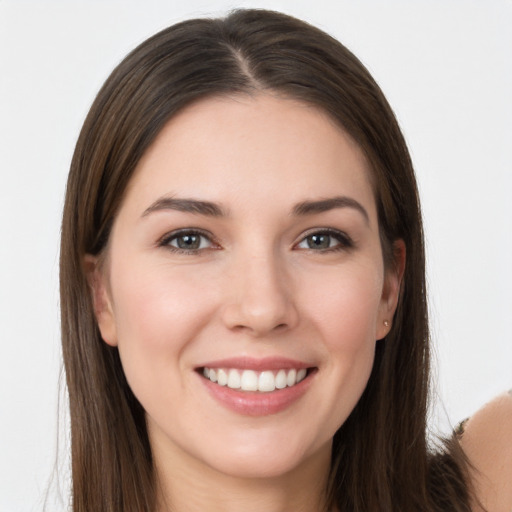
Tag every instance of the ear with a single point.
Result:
(102, 303)
(391, 289)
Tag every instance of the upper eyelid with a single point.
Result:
(345, 241)
(184, 231)
(324, 230)
(207, 234)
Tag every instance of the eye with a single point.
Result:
(326, 240)
(187, 241)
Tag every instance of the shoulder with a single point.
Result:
(487, 442)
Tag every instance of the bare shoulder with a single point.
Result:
(487, 442)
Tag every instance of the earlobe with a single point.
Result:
(101, 300)
(391, 289)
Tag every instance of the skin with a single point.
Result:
(254, 288)
(486, 442)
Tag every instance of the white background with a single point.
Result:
(446, 68)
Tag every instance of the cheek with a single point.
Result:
(157, 314)
(150, 298)
(344, 310)
(344, 306)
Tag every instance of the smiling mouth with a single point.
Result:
(261, 381)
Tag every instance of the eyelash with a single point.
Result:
(344, 242)
(166, 240)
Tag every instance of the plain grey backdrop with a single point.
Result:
(445, 67)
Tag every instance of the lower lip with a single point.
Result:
(254, 403)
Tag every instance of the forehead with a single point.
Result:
(236, 148)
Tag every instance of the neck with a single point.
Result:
(186, 484)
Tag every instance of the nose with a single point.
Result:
(260, 298)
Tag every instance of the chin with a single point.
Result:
(264, 460)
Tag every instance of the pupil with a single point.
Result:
(318, 241)
(188, 242)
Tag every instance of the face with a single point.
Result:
(244, 285)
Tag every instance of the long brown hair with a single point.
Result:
(381, 459)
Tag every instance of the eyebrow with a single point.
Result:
(324, 205)
(186, 205)
(211, 209)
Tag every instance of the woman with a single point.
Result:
(242, 282)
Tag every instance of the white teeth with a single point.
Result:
(233, 379)
(266, 381)
(281, 379)
(291, 379)
(222, 377)
(249, 380)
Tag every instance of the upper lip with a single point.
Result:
(257, 364)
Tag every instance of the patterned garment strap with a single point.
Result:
(459, 429)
